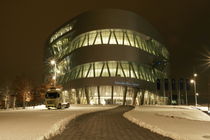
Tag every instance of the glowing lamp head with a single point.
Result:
(52, 62)
(195, 75)
(58, 71)
(53, 77)
(192, 81)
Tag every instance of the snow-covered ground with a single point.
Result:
(39, 123)
(177, 122)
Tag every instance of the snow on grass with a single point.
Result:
(183, 112)
(38, 107)
(177, 122)
(39, 123)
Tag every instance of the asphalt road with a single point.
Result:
(106, 125)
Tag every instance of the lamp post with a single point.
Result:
(53, 62)
(194, 82)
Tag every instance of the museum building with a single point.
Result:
(108, 56)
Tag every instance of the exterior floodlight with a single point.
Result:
(197, 94)
(195, 74)
(192, 81)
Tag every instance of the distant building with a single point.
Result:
(108, 57)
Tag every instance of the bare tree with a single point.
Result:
(38, 94)
(6, 94)
(22, 89)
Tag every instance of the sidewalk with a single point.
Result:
(106, 125)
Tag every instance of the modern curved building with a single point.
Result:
(108, 56)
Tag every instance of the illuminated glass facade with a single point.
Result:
(112, 69)
(108, 62)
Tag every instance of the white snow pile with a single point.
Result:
(204, 108)
(176, 122)
(39, 124)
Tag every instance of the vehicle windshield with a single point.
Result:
(52, 95)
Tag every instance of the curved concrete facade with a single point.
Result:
(108, 57)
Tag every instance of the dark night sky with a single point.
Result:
(25, 25)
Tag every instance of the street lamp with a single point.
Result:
(193, 81)
(53, 62)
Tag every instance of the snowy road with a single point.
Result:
(106, 125)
